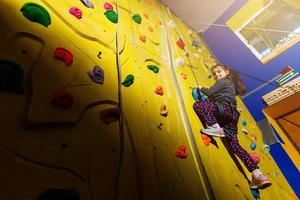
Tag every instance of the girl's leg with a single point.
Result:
(206, 112)
(241, 153)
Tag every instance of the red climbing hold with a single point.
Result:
(64, 55)
(76, 12)
(180, 43)
(108, 6)
(159, 91)
(206, 139)
(181, 152)
(143, 38)
(62, 99)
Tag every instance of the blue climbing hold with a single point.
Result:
(244, 122)
(253, 146)
(197, 95)
(255, 193)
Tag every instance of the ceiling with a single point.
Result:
(198, 13)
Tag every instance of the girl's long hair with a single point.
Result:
(235, 78)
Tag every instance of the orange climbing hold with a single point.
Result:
(180, 43)
(206, 139)
(184, 75)
(146, 15)
(143, 38)
(159, 91)
(150, 29)
(181, 152)
(163, 110)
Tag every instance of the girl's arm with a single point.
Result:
(215, 88)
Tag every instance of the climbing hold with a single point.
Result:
(159, 126)
(209, 76)
(206, 139)
(87, 3)
(150, 29)
(60, 193)
(62, 99)
(198, 95)
(179, 62)
(207, 65)
(159, 91)
(143, 38)
(159, 22)
(245, 130)
(266, 148)
(190, 32)
(240, 109)
(149, 2)
(253, 145)
(171, 24)
(244, 122)
(163, 110)
(76, 12)
(36, 13)
(254, 137)
(255, 193)
(181, 152)
(197, 55)
(111, 16)
(187, 53)
(146, 15)
(128, 80)
(64, 55)
(196, 43)
(255, 157)
(153, 68)
(108, 6)
(184, 75)
(11, 77)
(180, 43)
(137, 18)
(110, 115)
(97, 74)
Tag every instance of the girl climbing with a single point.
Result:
(219, 116)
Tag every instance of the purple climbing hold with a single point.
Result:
(87, 3)
(97, 74)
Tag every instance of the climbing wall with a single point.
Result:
(95, 101)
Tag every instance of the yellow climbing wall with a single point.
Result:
(63, 131)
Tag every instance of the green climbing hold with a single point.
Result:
(36, 13)
(128, 80)
(111, 16)
(154, 68)
(137, 18)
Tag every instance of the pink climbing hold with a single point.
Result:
(76, 12)
(255, 157)
(108, 6)
(181, 152)
(64, 55)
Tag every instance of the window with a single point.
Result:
(268, 27)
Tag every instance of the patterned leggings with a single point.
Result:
(208, 114)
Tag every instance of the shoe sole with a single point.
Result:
(264, 185)
(211, 134)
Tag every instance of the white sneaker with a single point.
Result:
(214, 130)
(260, 182)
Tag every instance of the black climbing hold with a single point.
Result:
(36, 13)
(137, 18)
(60, 194)
(11, 77)
(128, 80)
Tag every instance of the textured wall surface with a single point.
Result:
(68, 131)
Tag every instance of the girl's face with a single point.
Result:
(219, 72)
